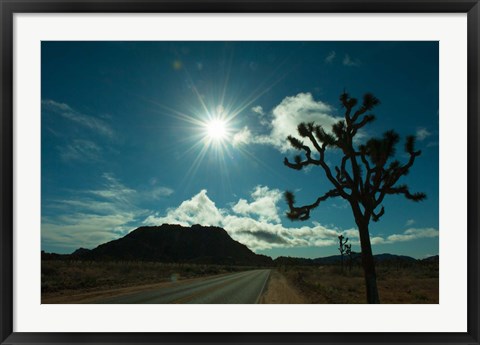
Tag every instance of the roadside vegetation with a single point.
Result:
(68, 277)
(415, 283)
(71, 281)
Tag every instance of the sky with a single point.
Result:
(146, 133)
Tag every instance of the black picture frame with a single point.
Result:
(9, 7)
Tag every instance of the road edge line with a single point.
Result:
(263, 288)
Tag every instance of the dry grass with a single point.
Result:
(328, 284)
(290, 284)
(65, 278)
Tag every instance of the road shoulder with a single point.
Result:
(280, 291)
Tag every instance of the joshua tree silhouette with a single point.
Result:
(342, 247)
(366, 174)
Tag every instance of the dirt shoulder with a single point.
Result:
(280, 291)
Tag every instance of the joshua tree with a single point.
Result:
(342, 247)
(367, 172)
(349, 253)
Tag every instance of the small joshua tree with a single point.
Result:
(349, 253)
(366, 174)
(342, 247)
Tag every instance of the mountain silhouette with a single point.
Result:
(336, 259)
(171, 243)
(176, 244)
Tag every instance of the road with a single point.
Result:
(242, 288)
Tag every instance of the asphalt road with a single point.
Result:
(242, 288)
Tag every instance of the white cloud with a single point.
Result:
(198, 210)
(351, 233)
(242, 137)
(257, 223)
(348, 61)
(262, 233)
(80, 150)
(91, 217)
(413, 234)
(290, 113)
(264, 120)
(264, 204)
(160, 192)
(284, 119)
(114, 191)
(422, 134)
(258, 110)
(410, 222)
(330, 57)
(71, 114)
(81, 229)
(377, 240)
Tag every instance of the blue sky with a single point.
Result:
(145, 133)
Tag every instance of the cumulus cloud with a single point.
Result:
(92, 217)
(264, 236)
(330, 57)
(264, 204)
(257, 223)
(93, 123)
(294, 110)
(286, 116)
(284, 119)
(197, 210)
(422, 134)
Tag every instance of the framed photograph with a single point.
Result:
(239, 172)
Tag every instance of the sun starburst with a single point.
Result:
(217, 129)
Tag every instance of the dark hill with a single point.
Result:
(379, 258)
(292, 261)
(394, 258)
(174, 243)
(336, 259)
(432, 259)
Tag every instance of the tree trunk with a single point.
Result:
(368, 265)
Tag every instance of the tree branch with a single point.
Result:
(376, 216)
(394, 177)
(403, 189)
(342, 174)
(307, 131)
(303, 212)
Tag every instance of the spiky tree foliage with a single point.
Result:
(365, 175)
(342, 247)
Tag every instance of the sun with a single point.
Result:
(217, 129)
